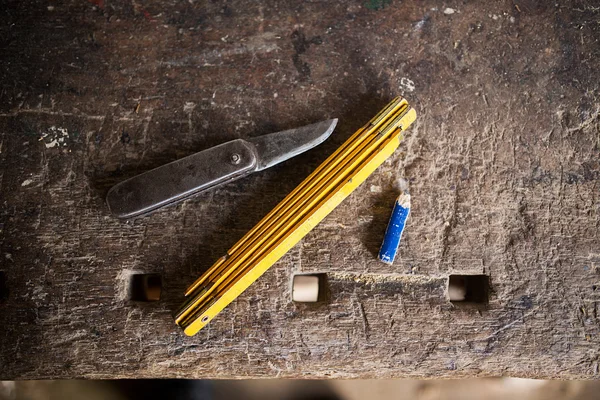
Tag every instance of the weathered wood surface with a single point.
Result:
(503, 165)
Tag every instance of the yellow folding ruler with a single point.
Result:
(295, 216)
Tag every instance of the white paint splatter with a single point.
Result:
(55, 137)
(449, 11)
(419, 25)
(27, 182)
(407, 84)
(51, 144)
(189, 107)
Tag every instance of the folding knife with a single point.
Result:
(207, 169)
(295, 216)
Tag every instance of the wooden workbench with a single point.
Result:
(502, 163)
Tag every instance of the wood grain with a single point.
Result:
(502, 165)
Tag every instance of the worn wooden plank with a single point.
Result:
(503, 167)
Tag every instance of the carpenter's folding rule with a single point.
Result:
(295, 216)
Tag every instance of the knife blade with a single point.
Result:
(180, 179)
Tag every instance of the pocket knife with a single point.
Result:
(207, 169)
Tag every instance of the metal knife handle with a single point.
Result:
(180, 179)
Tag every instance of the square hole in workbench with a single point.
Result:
(309, 288)
(468, 289)
(3, 287)
(145, 287)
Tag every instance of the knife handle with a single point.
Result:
(180, 179)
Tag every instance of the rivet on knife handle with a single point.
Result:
(295, 216)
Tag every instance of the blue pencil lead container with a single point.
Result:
(393, 233)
